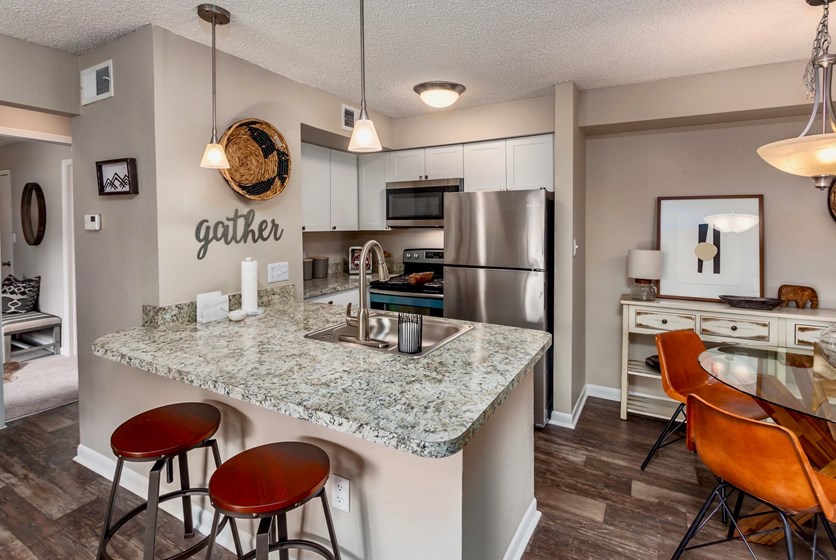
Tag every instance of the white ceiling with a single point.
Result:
(500, 49)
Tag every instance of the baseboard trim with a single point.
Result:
(524, 531)
(137, 484)
(565, 420)
(601, 392)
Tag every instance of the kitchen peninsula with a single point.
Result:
(438, 449)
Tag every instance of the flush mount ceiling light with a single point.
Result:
(364, 138)
(439, 94)
(214, 156)
(732, 222)
(813, 156)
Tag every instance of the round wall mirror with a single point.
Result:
(33, 213)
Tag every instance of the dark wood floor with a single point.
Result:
(595, 501)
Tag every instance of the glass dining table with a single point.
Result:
(796, 388)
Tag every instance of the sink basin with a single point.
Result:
(436, 333)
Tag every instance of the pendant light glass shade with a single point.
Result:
(214, 157)
(732, 223)
(808, 156)
(364, 138)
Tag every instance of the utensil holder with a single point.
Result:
(410, 327)
(320, 267)
(307, 269)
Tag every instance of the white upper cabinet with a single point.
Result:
(444, 162)
(530, 162)
(372, 175)
(406, 165)
(316, 188)
(344, 194)
(329, 190)
(484, 166)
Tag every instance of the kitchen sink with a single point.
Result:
(435, 333)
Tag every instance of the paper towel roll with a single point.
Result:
(249, 285)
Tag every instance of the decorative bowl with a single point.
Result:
(237, 315)
(743, 302)
(827, 344)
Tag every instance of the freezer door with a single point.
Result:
(517, 298)
(503, 229)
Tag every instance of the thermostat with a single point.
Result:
(92, 222)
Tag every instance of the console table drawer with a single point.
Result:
(801, 335)
(660, 321)
(733, 327)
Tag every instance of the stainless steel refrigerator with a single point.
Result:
(498, 258)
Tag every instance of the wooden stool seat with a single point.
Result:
(166, 431)
(269, 479)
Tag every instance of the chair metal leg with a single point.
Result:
(262, 539)
(787, 535)
(670, 428)
(697, 523)
(109, 514)
(56, 340)
(330, 523)
(213, 534)
(736, 515)
(281, 535)
(829, 530)
(151, 512)
(183, 466)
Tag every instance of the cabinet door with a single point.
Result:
(372, 176)
(406, 165)
(444, 162)
(530, 162)
(484, 166)
(316, 188)
(343, 191)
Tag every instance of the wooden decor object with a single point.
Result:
(831, 201)
(30, 234)
(259, 159)
(800, 295)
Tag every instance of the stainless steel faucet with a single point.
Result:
(362, 319)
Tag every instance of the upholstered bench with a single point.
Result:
(19, 323)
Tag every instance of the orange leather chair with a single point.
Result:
(759, 459)
(682, 375)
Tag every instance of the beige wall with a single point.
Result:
(188, 194)
(625, 174)
(23, 123)
(39, 162)
(488, 122)
(39, 78)
(116, 268)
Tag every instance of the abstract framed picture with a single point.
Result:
(711, 246)
(117, 176)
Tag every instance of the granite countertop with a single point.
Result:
(333, 283)
(429, 406)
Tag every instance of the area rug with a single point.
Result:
(10, 371)
(41, 384)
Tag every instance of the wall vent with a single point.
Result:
(97, 82)
(348, 116)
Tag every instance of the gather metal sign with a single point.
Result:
(238, 229)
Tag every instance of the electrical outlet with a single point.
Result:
(340, 493)
(277, 272)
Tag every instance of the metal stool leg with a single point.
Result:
(262, 539)
(236, 538)
(183, 466)
(109, 515)
(151, 512)
(213, 534)
(281, 535)
(330, 523)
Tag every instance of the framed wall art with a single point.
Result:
(117, 176)
(711, 246)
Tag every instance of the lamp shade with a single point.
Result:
(807, 156)
(364, 138)
(644, 264)
(214, 157)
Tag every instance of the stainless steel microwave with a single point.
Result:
(418, 203)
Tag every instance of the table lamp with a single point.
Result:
(644, 266)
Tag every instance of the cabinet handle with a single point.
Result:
(334, 227)
(303, 228)
(664, 321)
(734, 327)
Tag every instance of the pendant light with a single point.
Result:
(364, 138)
(439, 94)
(732, 222)
(214, 156)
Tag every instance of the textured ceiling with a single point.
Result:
(500, 49)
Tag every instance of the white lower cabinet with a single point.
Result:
(340, 298)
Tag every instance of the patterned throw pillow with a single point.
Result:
(20, 296)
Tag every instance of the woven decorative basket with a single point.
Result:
(259, 160)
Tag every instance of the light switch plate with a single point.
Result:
(277, 272)
(92, 222)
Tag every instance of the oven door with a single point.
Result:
(399, 302)
(418, 203)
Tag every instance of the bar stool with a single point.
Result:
(160, 435)
(266, 483)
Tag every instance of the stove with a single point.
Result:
(397, 294)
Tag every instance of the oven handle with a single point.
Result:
(406, 294)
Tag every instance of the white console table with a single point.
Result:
(641, 386)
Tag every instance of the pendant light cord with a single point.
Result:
(214, 93)
(821, 45)
(363, 113)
